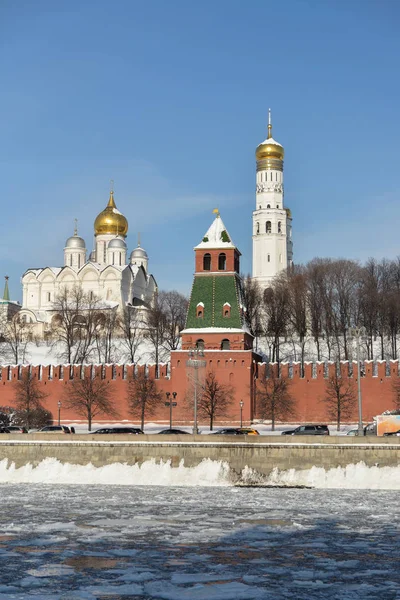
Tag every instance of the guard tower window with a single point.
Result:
(222, 261)
(200, 344)
(268, 227)
(279, 227)
(200, 310)
(225, 345)
(269, 258)
(268, 206)
(258, 228)
(226, 310)
(207, 262)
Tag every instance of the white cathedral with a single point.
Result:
(272, 222)
(105, 275)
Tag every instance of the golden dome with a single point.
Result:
(110, 220)
(269, 148)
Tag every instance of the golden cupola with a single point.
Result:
(269, 154)
(110, 220)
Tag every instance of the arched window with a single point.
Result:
(70, 260)
(79, 261)
(268, 227)
(226, 310)
(225, 345)
(269, 258)
(200, 310)
(268, 206)
(279, 227)
(207, 262)
(222, 261)
(258, 228)
(200, 344)
(48, 296)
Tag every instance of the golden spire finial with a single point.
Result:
(269, 124)
(76, 227)
(111, 201)
(216, 212)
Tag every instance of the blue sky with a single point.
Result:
(170, 99)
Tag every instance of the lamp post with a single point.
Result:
(196, 361)
(59, 411)
(171, 405)
(241, 413)
(358, 333)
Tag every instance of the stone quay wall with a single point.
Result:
(261, 456)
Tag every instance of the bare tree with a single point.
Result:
(215, 398)
(132, 329)
(156, 327)
(28, 398)
(276, 311)
(298, 307)
(107, 323)
(16, 338)
(340, 397)
(90, 397)
(252, 301)
(174, 306)
(75, 323)
(142, 396)
(275, 401)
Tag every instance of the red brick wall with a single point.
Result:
(237, 368)
(230, 260)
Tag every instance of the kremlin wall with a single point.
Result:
(235, 367)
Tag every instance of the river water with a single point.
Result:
(192, 536)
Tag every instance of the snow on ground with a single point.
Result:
(178, 543)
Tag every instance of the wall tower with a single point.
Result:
(272, 222)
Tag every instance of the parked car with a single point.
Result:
(172, 432)
(308, 430)
(392, 433)
(17, 429)
(55, 429)
(4, 430)
(352, 432)
(115, 430)
(236, 431)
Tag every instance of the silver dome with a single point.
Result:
(139, 253)
(117, 243)
(75, 242)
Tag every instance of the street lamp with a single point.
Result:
(358, 333)
(171, 405)
(196, 361)
(59, 410)
(241, 413)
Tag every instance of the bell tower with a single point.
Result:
(272, 222)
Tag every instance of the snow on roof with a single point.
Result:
(212, 330)
(116, 211)
(217, 236)
(270, 141)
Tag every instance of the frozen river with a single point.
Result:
(97, 542)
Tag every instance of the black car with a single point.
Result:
(172, 432)
(229, 431)
(392, 433)
(115, 430)
(4, 430)
(308, 430)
